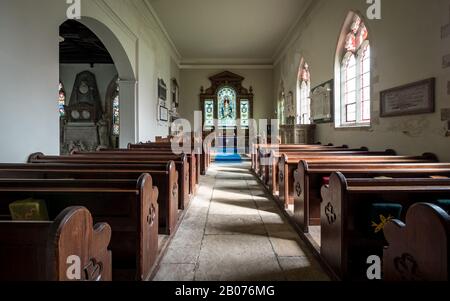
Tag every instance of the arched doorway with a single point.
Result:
(92, 59)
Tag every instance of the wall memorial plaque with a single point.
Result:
(411, 99)
(445, 115)
(446, 61)
(162, 89)
(163, 114)
(322, 103)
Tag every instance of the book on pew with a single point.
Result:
(29, 210)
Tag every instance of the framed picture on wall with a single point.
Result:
(175, 93)
(162, 90)
(163, 113)
(410, 99)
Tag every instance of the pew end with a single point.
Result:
(34, 156)
(39, 251)
(431, 157)
(96, 260)
(419, 249)
(391, 152)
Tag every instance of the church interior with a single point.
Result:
(237, 140)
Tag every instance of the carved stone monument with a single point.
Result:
(83, 126)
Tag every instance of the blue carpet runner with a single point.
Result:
(228, 156)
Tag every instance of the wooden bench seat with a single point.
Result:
(38, 251)
(289, 163)
(193, 178)
(163, 176)
(272, 170)
(180, 163)
(346, 241)
(310, 177)
(130, 207)
(259, 151)
(195, 150)
(268, 162)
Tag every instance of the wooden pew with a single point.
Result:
(264, 151)
(185, 172)
(346, 241)
(193, 180)
(128, 206)
(288, 163)
(207, 150)
(256, 148)
(309, 179)
(271, 172)
(167, 147)
(164, 176)
(267, 160)
(193, 158)
(180, 163)
(419, 250)
(38, 251)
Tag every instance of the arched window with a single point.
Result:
(226, 99)
(354, 74)
(62, 100)
(303, 95)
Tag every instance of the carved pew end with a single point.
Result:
(69, 248)
(419, 250)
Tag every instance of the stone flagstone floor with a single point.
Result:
(234, 232)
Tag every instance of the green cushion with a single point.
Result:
(29, 210)
(379, 215)
(444, 204)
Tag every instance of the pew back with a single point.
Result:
(180, 162)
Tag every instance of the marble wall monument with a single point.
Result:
(84, 126)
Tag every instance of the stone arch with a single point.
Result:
(127, 78)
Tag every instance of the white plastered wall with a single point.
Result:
(29, 70)
(406, 47)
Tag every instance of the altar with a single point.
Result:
(227, 111)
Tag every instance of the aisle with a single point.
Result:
(232, 231)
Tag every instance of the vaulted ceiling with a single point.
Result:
(245, 31)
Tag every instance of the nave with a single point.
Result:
(234, 231)
(126, 129)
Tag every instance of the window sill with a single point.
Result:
(354, 127)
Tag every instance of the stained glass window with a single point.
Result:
(209, 113)
(116, 112)
(61, 100)
(226, 99)
(355, 76)
(303, 96)
(245, 116)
